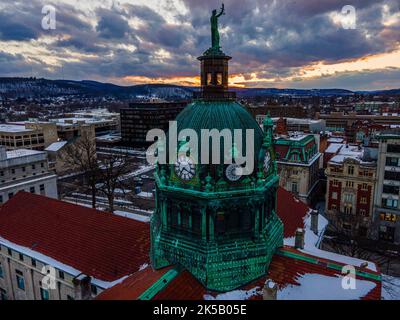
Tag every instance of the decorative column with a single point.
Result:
(211, 227)
(203, 223)
(257, 223)
(164, 215)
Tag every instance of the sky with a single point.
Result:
(274, 43)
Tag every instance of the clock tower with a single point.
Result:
(216, 222)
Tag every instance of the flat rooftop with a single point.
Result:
(19, 153)
(14, 128)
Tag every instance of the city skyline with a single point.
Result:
(285, 45)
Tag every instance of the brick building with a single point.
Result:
(351, 177)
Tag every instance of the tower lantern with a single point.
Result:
(215, 66)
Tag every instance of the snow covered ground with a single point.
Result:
(312, 242)
(133, 216)
(390, 287)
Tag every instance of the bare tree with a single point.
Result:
(349, 243)
(113, 172)
(81, 156)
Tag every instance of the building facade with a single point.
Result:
(387, 206)
(298, 160)
(140, 118)
(36, 136)
(25, 170)
(351, 178)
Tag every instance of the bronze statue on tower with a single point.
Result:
(214, 28)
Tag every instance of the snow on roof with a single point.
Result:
(321, 287)
(235, 295)
(13, 128)
(298, 120)
(312, 242)
(336, 139)
(390, 287)
(22, 153)
(350, 152)
(334, 147)
(56, 146)
(134, 216)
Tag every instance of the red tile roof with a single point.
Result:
(283, 270)
(291, 211)
(132, 287)
(97, 243)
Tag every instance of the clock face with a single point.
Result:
(267, 161)
(185, 168)
(233, 172)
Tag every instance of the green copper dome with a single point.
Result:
(220, 115)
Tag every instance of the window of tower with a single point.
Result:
(246, 221)
(196, 221)
(209, 78)
(185, 219)
(233, 221)
(220, 223)
(219, 79)
(173, 212)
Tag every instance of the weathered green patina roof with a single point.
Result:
(220, 115)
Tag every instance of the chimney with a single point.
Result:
(82, 287)
(314, 221)
(299, 239)
(3, 153)
(270, 290)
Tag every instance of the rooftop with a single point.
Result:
(13, 128)
(334, 147)
(56, 146)
(114, 251)
(354, 152)
(102, 245)
(19, 153)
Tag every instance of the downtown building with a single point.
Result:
(298, 160)
(140, 118)
(387, 203)
(25, 170)
(351, 181)
(27, 135)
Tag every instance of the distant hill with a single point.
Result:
(35, 88)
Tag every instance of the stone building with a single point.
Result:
(84, 250)
(25, 170)
(298, 160)
(36, 136)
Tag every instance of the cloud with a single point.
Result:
(111, 25)
(268, 39)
